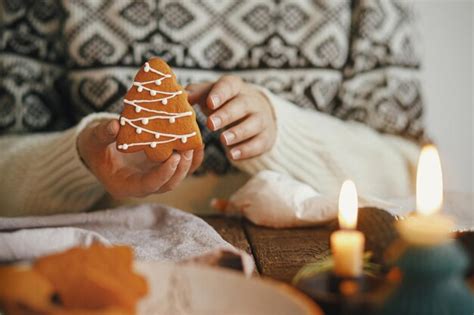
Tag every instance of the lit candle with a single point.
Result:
(427, 226)
(347, 244)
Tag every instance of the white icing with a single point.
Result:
(148, 68)
(161, 134)
(139, 108)
(183, 138)
(171, 117)
(141, 85)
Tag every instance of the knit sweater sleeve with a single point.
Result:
(43, 173)
(380, 88)
(323, 151)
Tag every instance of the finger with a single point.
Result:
(181, 172)
(106, 131)
(247, 129)
(198, 157)
(250, 148)
(234, 110)
(223, 90)
(158, 176)
(197, 93)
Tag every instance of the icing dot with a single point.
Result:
(184, 140)
(152, 93)
(153, 144)
(145, 121)
(158, 82)
(157, 136)
(140, 88)
(122, 121)
(139, 130)
(165, 101)
(172, 120)
(137, 109)
(147, 67)
(123, 146)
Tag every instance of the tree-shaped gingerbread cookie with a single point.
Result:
(157, 116)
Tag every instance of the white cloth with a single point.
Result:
(156, 232)
(277, 200)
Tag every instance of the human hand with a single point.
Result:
(131, 174)
(242, 110)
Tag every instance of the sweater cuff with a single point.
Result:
(64, 177)
(289, 150)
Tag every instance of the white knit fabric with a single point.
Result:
(323, 151)
(43, 174)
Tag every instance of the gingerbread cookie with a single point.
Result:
(157, 116)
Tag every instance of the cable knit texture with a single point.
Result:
(43, 173)
(323, 151)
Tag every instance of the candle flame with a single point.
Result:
(429, 182)
(348, 205)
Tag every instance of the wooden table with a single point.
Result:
(280, 253)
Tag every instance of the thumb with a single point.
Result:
(106, 131)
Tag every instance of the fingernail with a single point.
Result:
(188, 155)
(111, 128)
(216, 101)
(228, 137)
(176, 161)
(216, 121)
(235, 153)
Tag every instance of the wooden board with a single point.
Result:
(280, 253)
(230, 228)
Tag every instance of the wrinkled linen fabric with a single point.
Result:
(155, 231)
(277, 200)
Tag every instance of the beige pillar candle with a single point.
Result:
(347, 245)
(427, 226)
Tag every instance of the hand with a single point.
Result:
(131, 174)
(242, 110)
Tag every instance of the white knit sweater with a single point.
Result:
(43, 174)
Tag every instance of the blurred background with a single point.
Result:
(447, 32)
